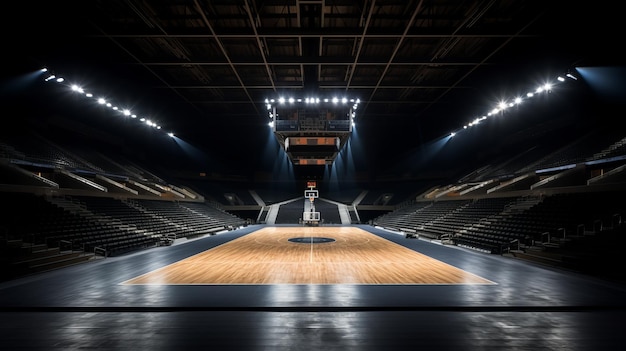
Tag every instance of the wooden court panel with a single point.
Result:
(267, 256)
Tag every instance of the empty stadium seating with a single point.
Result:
(556, 203)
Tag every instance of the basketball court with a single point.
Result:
(309, 255)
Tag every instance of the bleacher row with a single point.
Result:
(536, 152)
(55, 211)
(546, 198)
(98, 226)
(114, 225)
(558, 222)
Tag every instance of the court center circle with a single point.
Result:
(311, 240)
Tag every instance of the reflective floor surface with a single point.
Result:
(529, 307)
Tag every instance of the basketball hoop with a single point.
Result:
(311, 199)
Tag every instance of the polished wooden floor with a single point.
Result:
(272, 297)
(346, 255)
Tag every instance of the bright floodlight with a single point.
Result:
(100, 101)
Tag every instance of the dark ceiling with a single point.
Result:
(204, 68)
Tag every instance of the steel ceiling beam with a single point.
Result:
(225, 53)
